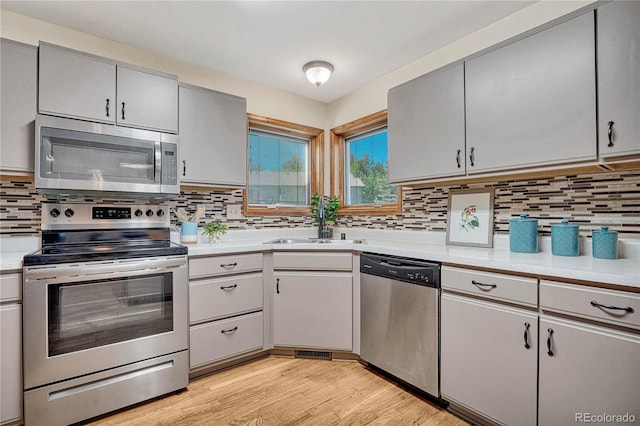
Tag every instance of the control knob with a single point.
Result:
(69, 212)
(160, 213)
(149, 212)
(138, 213)
(54, 213)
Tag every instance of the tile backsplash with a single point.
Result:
(589, 200)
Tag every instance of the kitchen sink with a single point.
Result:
(313, 241)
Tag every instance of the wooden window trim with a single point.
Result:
(316, 162)
(337, 148)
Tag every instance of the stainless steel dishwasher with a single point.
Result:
(400, 318)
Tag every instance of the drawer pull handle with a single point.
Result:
(549, 351)
(229, 265)
(458, 158)
(482, 286)
(229, 330)
(526, 335)
(107, 107)
(610, 133)
(628, 309)
(228, 287)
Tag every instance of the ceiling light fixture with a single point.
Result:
(318, 72)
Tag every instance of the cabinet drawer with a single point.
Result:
(591, 302)
(502, 287)
(217, 340)
(222, 297)
(10, 287)
(313, 261)
(218, 265)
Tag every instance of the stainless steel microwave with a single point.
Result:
(73, 156)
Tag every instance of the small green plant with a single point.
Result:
(214, 230)
(331, 206)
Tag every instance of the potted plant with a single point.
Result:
(214, 230)
(330, 205)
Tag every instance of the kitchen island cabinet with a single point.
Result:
(532, 102)
(489, 348)
(79, 85)
(10, 348)
(618, 47)
(213, 137)
(18, 96)
(426, 126)
(313, 300)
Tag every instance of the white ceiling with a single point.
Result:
(269, 41)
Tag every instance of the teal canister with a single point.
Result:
(605, 243)
(564, 239)
(523, 234)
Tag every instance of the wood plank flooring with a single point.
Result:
(287, 391)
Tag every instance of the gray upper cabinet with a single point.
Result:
(147, 101)
(532, 102)
(426, 126)
(76, 85)
(619, 78)
(19, 67)
(213, 137)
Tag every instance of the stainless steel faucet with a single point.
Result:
(321, 233)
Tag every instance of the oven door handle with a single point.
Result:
(100, 270)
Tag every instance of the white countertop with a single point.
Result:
(624, 271)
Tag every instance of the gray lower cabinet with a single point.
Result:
(226, 295)
(532, 102)
(79, 85)
(10, 348)
(18, 74)
(587, 371)
(618, 46)
(426, 126)
(489, 357)
(213, 137)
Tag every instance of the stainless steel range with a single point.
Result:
(104, 311)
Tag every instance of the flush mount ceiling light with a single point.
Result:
(318, 72)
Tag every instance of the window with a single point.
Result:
(284, 167)
(359, 170)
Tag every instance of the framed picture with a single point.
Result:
(470, 218)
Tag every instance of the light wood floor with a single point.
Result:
(288, 391)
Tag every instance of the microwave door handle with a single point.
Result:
(158, 175)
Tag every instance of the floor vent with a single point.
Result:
(313, 354)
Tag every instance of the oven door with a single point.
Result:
(87, 317)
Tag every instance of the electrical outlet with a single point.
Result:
(234, 211)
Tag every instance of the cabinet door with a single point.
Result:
(76, 85)
(619, 78)
(11, 362)
(147, 101)
(532, 102)
(593, 371)
(313, 310)
(19, 68)
(426, 126)
(485, 364)
(213, 137)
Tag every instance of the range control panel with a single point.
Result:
(57, 216)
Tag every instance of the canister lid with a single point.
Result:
(604, 230)
(523, 218)
(565, 224)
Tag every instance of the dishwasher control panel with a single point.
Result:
(402, 269)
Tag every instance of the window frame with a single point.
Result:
(316, 163)
(338, 136)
